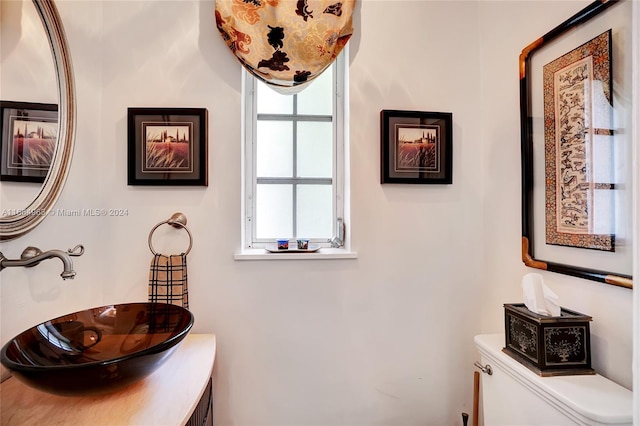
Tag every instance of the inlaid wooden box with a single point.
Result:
(548, 345)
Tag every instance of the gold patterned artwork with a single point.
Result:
(579, 147)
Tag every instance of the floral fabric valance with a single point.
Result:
(285, 43)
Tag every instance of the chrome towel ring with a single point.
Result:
(177, 220)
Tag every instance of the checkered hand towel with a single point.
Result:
(168, 279)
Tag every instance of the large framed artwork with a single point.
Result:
(29, 132)
(167, 146)
(575, 85)
(416, 147)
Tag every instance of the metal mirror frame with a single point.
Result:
(16, 225)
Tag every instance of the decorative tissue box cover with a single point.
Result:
(550, 346)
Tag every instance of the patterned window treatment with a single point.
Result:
(285, 43)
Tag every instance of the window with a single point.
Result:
(294, 161)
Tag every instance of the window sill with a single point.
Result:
(322, 254)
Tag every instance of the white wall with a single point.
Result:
(636, 215)
(383, 339)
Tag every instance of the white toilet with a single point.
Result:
(513, 395)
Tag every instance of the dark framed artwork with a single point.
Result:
(576, 146)
(167, 146)
(416, 147)
(29, 133)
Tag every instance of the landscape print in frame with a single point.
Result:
(167, 146)
(29, 137)
(576, 144)
(416, 147)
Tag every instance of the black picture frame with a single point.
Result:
(416, 147)
(167, 146)
(543, 252)
(28, 138)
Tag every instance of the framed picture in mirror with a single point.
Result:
(576, 144)
(29, 133)
(167, 146)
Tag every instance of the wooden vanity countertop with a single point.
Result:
(166, 397)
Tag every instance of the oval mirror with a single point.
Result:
(18, 220)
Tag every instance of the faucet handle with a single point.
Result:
(30, 252)
(76, 251)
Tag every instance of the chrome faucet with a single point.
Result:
(31, 256)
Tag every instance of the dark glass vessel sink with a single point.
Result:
(97, 350)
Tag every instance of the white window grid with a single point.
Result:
(337, 181)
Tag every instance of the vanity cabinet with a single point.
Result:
(203, 413)
(180, 392)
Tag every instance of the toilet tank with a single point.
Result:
(514, 395)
